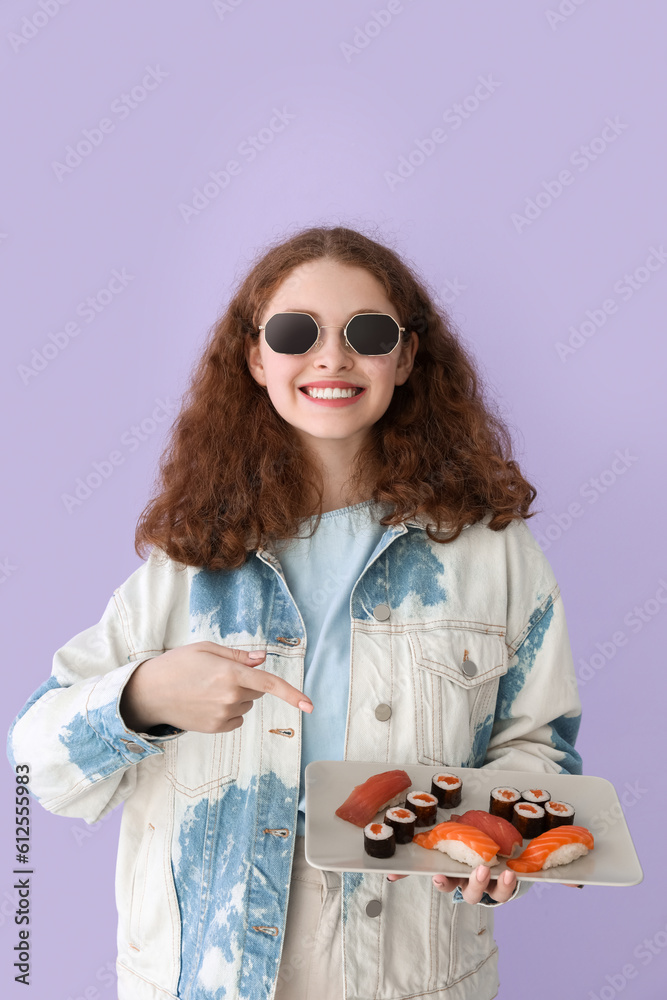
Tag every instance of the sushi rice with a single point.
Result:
(459, 851)
(563, 855)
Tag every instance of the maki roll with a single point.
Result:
(424, 806)
(379, 840)
(528, 819)
(402, 821)
(538, 796)
(502, 802)
(447, 789)
(558, 814)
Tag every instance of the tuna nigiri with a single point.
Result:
(554, 847)
(464, 843)
(378, 792)
(505, 834)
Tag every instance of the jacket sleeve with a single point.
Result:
(82, 757)
(538, 710)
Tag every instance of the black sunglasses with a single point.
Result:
(366, 333)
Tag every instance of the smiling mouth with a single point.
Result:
(322, 393)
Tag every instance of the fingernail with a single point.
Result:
(306, 706)
(389, 878)
(257, 655)
(481, 873)
(507, 877)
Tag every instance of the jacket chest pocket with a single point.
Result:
(455, 673)
(197, 763)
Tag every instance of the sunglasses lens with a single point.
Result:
(290, 333)
(373, 334)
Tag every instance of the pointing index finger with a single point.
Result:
(262, 680)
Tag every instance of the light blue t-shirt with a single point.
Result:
(321, 572)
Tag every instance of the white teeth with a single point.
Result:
(318, 393)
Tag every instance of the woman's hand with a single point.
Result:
(474, 887)
(204, 686)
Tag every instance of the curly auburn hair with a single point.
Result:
(233, 476)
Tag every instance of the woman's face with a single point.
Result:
(332, 293)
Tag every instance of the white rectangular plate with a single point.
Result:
(336, 845)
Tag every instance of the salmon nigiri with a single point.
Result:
(554, 847)
(378, 792)
(460, 841)
(505, 834)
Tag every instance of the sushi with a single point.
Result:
(461, 842)
(424, 806)
(367, 799)
(402, 822)
(505, 834)
(528, 819)
(447, 789)
(552, 848)
(502, 801)
(558, 814)
(538, 796)
(379, 840)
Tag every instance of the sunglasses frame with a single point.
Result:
(298, 312)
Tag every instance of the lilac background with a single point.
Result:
(516, 295)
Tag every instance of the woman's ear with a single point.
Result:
(254, 361)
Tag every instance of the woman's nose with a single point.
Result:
(332, 343)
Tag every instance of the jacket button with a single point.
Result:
(381, 612)
(134, 747)
(469, 668)
(373, 908)
(382, 712)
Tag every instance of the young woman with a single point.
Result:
(339, 525)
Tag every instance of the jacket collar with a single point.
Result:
(392, 531)
(421, 520)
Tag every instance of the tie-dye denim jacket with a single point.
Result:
(207, 832)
